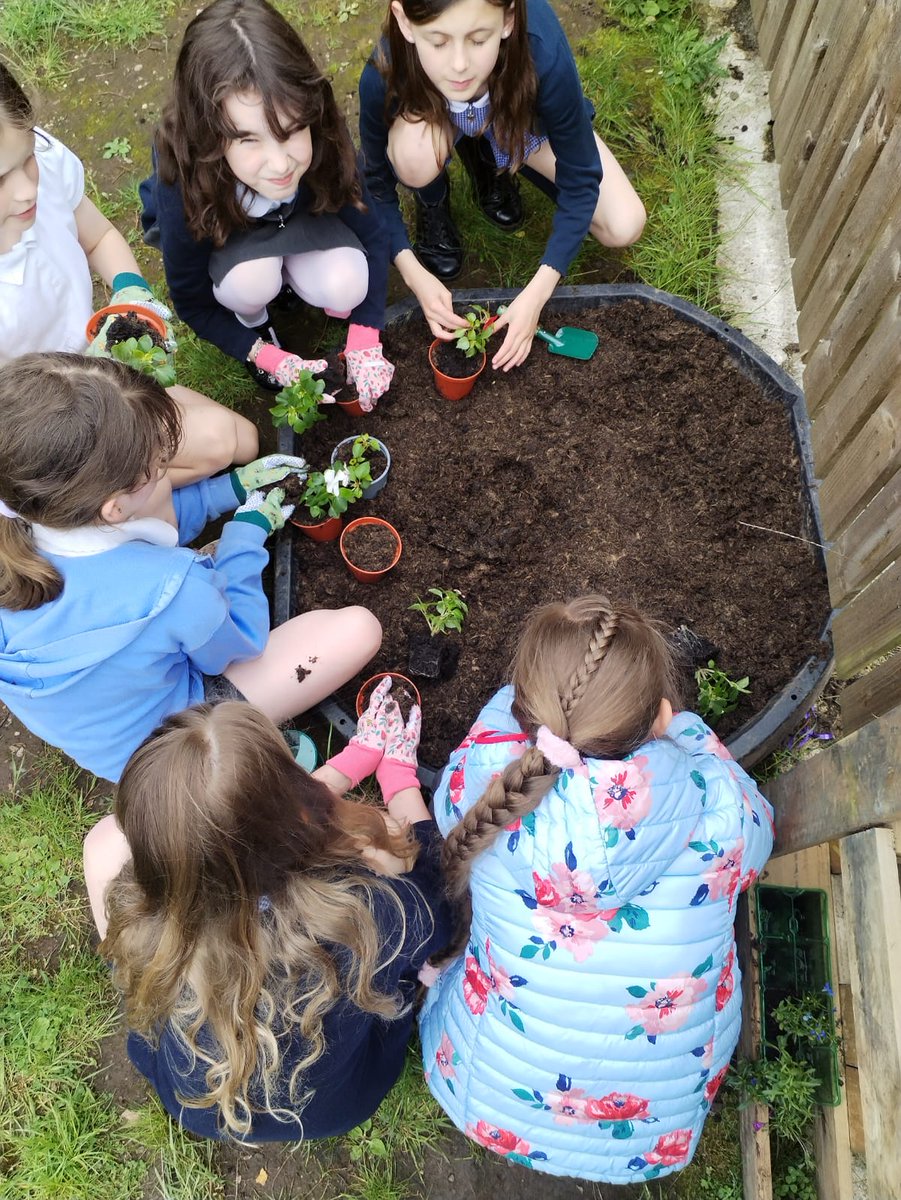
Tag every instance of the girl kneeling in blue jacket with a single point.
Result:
(603, 842)
(108, 622)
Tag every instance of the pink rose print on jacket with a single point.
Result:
(671, 1148)
(568, 1107)
(664, 1005)
(616, 1111)
(575, 932)
(712, 1086)
(726, 983)
(504, 1142)
(476, 986)
(623, 797)
(447, 1059)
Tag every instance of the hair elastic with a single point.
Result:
(557, 750)
(6, 511)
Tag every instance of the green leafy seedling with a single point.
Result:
(473, 337)
(329, 493)
(717, 693)
(297, 404)
(142, 355)
(118, 147)
(445, 612)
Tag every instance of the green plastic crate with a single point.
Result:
(793, 936)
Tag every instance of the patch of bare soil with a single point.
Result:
(636, 474)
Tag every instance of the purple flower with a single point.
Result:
(827, 988)
(758, 1125)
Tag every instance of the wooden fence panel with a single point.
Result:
(871, 695)
(790, 96)
(865, 465)
(867, 546)
(870, 625)
(771, 18)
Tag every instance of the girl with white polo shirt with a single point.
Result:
(52, 237)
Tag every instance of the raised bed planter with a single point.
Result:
(793, 938)
(770, 726)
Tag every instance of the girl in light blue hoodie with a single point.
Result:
(108, 621)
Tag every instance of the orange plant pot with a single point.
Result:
(320, 531)
(111, 310)
(361, 573)
(351, 407)
(363, 693)
(450, 387)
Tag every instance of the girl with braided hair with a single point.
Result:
(597, 845)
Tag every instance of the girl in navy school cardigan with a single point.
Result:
(450, 71)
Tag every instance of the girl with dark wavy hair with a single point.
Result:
(265, 931)
(598, 845)
(496, 80)
(256, 187)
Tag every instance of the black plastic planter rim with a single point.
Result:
(766, 730)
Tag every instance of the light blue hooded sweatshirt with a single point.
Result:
(137, 625)
(591, 1019)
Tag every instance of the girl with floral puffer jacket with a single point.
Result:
(603, 842)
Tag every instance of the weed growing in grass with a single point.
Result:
(183, 1165)
(118, 147)
(717, 693)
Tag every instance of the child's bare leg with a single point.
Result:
(417, 152)
(248, 288)
(213, 437)
(620, 216)
(306, 659)
(105, 854)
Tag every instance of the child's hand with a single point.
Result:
(269, 512)
(371, 372)
(397, 770)
(364, 751)
(263, 471)
(285, 367)
(137, 294)
(436, 302)
(521, 321)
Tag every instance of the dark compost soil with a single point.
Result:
(453, 362)
(370, 547)
(129, 325)
(630, 474)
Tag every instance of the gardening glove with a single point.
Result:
(367, 367)
(263, 471)
(364, 751)
(269, 512)
(134, 291)
(284, 367)
(397, 770)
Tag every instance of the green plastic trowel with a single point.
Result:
(568, 340)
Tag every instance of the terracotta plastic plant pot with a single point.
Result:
(363, 693)
(351, 407)
(320, 531)
(111, 310)
(369, 493)
(449, 386)
(361, 573)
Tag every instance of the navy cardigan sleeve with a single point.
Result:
(186, 262)
(562, 113)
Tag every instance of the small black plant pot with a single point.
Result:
(432, 657)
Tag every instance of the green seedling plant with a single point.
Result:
(445, 612)
(297, 404)
(363, 447)
(329, 493)
(142, 355)
(473, 337)
(717, 693)
(118, 147)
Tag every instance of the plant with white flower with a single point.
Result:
(328, 493)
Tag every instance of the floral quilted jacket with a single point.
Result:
(591, 1020)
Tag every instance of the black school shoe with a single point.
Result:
(438, 245)
(260, 377)
(496, 193)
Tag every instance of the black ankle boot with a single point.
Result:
(497, 194)
(437, 245)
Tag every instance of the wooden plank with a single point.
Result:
(870, 625)
(756, 1169)
(875, 207)
(877, 283)
(862, 467)
(787, 49)
(842, 969)
(841, 789)
(860, 391)
(867, 546)
(789, 98)
(814, 230)
(771, 21)
(832, 1149)
(871, 695)
(873, 903)
(871, 69)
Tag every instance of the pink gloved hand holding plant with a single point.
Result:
(363, 753)
(367, 367)
(397, 770)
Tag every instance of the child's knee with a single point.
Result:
(363, 631)
(621, 228)
(220, 437)
(412, 155)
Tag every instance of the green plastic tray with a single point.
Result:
(793, 935)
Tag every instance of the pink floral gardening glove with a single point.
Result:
(367, 367)
(397, 770)
(364, 751)
(284, 367)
